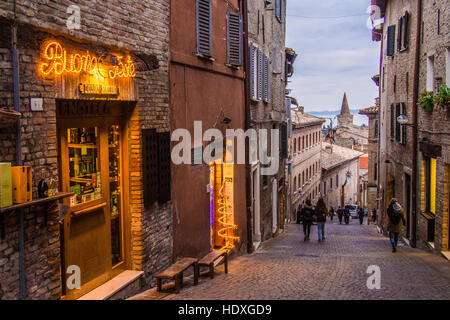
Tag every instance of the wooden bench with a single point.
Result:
(175, 272)
(210, 258)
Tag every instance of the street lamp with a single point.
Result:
(403, 120)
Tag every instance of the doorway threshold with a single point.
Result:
(120, 287)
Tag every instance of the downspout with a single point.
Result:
(415, 171)
(249, 204)
(16, 102)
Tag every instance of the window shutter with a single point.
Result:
(259, 74)
(405, 33)
(392, 122)
(277, 9)
(397, 127)
(252, 72)
(150, 166)
(399, 35)
(164, 166)
(204, 26)
(391, 41)
(265, 78)
(234, 38)
(282, 11)
(284, 141)
(403, 127)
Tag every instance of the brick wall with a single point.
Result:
(132, 26)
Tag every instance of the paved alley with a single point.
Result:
(289, 268)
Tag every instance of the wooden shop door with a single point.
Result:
(91, 167)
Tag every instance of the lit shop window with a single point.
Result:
(84, 170)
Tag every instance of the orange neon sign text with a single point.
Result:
(59, 62)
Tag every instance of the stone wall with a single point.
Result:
(140, 28)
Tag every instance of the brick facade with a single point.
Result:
(134, 27)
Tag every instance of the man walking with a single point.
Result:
(396, 216)
(321, 218)
(331, 213)
(340, 213)
(361, 215)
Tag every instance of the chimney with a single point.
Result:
(301, 109)
(329, 149)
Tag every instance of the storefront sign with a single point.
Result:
(57, 60)
(98, 89)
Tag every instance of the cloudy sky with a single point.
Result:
(334, 55)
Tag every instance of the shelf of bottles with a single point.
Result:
(84, 170)
(115, 193)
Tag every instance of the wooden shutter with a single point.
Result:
(391, 41)
(275, 60)
(265, 78)
(282, 10)
(204, 27)
(164, 166)
(406, 27)
(259, 79)
(397, 127)
(392, 122)
(277, 9)
(399, 34)
(403, 127)
(234, 38)
(150, 166)
(284, 141)
(252, 72)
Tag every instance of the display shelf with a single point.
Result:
(81, 180)
(24, 205)
(80, 146)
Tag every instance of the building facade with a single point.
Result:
(434, 129)
(91, 85)
(340, 175)
(267, 110)
(305, 148)
(372, 168)
(207, 81)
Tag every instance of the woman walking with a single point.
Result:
(396, 216)
(321, 213)
(307, 218)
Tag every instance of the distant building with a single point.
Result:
(305, 146)
(348, 134)
(340, 175)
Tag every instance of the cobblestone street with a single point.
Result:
(289, 268)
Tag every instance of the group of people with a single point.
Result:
(309, 214)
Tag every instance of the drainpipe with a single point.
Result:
(248, 172)
(415, 171)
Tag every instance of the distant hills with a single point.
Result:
(357, 119)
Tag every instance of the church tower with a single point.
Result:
(345, 118)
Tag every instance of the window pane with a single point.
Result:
(115, 194)
(84, 170)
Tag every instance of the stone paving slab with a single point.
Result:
(288, 268)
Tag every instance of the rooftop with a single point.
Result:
(300, 119)
(338, 156)
(370, 110)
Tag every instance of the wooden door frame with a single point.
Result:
(102, 123)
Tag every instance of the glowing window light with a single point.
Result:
(59, 62)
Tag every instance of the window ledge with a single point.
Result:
(210, 59)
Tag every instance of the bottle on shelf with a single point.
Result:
(43, 187)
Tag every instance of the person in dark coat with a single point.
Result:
(307, 217)
(361, 215)
(347, 215)
(320, 215)
(340, 213)
(397, 219)
(331, 213)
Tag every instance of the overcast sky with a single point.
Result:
(334, 55)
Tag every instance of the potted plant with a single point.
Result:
(426, 101)
(442, 98)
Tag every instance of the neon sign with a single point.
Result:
(58, 61)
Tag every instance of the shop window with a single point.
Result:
(84, 164)
(156, 165)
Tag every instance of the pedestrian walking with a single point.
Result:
(307, 218)
(397, 219)
(361, 215)
(347, 215)
(340, 213)
(332, 213)
(320, 214)
(374, 215)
